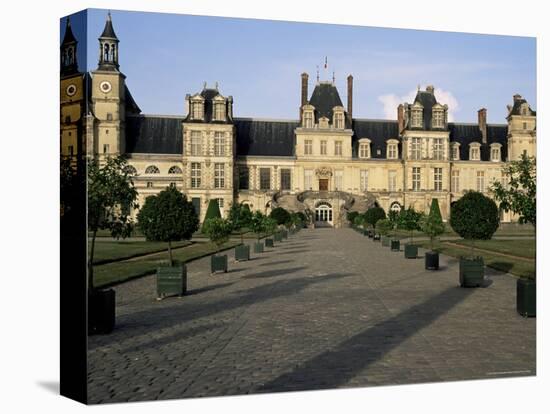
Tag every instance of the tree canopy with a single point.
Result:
(373, 214)
(280, 215)
(218, 230)
(475, 216)
(432, 225)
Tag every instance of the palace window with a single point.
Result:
(220, 204)
(438, 148)
(308, 179)
(265, 178)
(109, 116)
(219, 144)
(149, 184)
(474, 152)
(244, 178)
(219, 175)
(525, 125)
(285, 179)
(495, 153)
(392, 180)
(364, 180)
(480, 182)
(455, 181)
(392, 151)
(455, 154)
(416, 148)
(105, 148)
(196, 143)
(416, 118)
(338, 148)
(71, 150)
(172, 185)
(338, 179)
(437, 118)
(195, 174)
(308, 119)
(174, 170)
(364, 150)
(323, 147)
(338, 120)
(308, 147)
(438, 179)
(197, 110)
(219, 111)
(152, 169)
(416, 179)
(130, 170)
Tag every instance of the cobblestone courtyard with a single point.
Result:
(324, 309)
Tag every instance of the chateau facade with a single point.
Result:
(326, 163)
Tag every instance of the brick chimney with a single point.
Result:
(482, 123)
(350, 96)
(400, 118)
(305, 78)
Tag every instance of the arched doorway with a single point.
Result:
(323, 215)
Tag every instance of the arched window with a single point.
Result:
(395, 206)
(130, 170)
(174, 170)
(152, 169)
(106, 53)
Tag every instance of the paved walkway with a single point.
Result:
(324, 309)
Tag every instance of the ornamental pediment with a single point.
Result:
(323, 172)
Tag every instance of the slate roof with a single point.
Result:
(108, 31)
(325, 97)
(209, 94)
(465, 134)
(149, 134)
(427, 100)
(378, 131)
(516, 108)
(69, 36)
(265, 137)
(131, 105)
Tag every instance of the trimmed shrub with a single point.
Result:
(409, 219)
(433, 225)
(213, 211)
(475, 216)
(384, 226)
(218, 230)
(351, 216)
(280, 215)
(373, 214)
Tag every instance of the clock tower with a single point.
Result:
(108, 93)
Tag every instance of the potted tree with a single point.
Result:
(111, 196)
(218, 230)
(433, 227)
(384, 226)
(519, 195)
(409, 220)
(372, 215)
(257, 227)
(269, 227)
(281, 216)
(240, 217)
(351, 218)
(169, 217)
(474, 217)
(393, 217)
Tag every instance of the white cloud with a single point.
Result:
(390, 102)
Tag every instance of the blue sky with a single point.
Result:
(259, 62)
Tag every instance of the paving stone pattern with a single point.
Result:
(324, 309)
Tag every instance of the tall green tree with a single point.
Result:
(280, 215)
(257, 224)
(218, 230)
(373, 214)
(168, 217)
(519, 195)
(432, 225)
(240, 217)
(213, 211)
(111, 196)
(409, 219)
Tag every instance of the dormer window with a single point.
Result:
(495, 152)
(416, 117)
(219, 111)
(364, 148)
(339, 120)
(391, 149)
(455, 151)
(323, 122)
(474, 151)
(438, 120)
(197, 109)
(308, 119)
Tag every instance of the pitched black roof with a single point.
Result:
(378, 131)
(132, 107)
(325, 97)
(427, 99)
(69, 36)
(465, 134)
(516, 108)
(108, 31)
(154, 134)
(209, 94)
(265, 137)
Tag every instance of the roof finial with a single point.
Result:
(109, 16)
(317, 73)
(68, 21)
(216, 85)
(333, 77)
(418, 87)
(204, 85)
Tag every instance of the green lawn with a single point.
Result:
(108, 251)
(519, 267)
(504, 230)
(117, 272)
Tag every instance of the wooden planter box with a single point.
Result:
(385, 241)
(471, 272)
(268, 242)
(242, 252)
(101, 311)
(376, 237)
(278, 237)
(365, 232)
(431, 260)
(411, 251)
(526, 297)
(218, 263)
(370, 233)
(171, 280)
(395, 245)
(258, 247)
(284, 234)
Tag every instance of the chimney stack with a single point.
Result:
(400, 118)
(482, 123)
(350, 96)
(305, 78)
(430, 89)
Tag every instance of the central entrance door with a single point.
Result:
(323, 184)
(323, 215)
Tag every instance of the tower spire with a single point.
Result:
(108, 47)
(69, 64)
